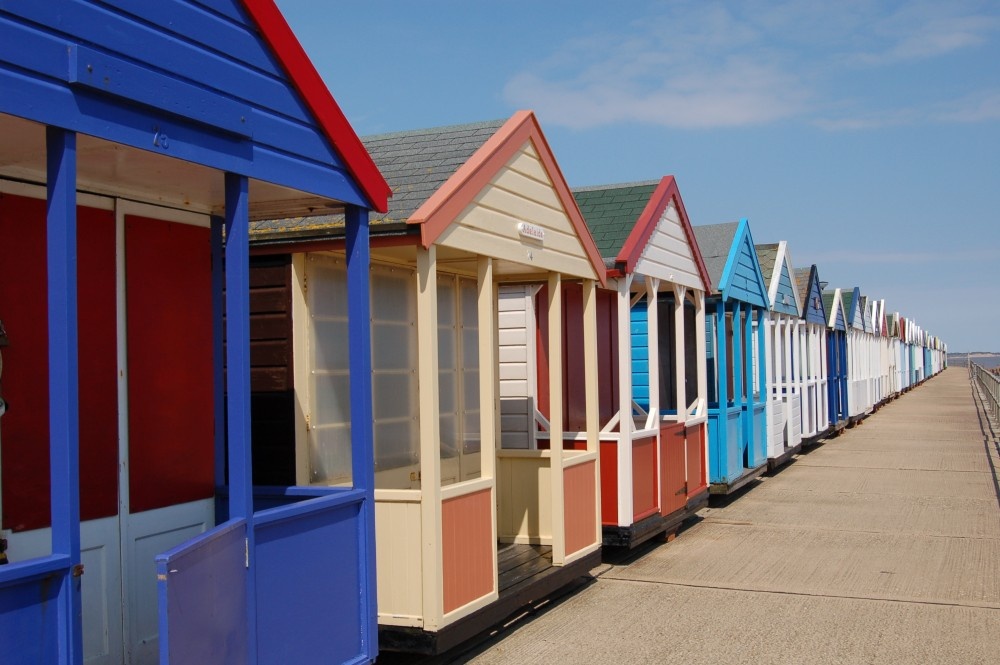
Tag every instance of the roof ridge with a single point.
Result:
(620, 185)
(444, 129)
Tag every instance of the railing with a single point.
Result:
(989, 386)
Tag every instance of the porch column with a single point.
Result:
(237, 270)
(359, 341)
(430, 437)
(652, 342)
(64, 405)
(489, 388)
(721, 460)
(625, 423)
(701, 352)
(679, 359)
(554, 312)
(217, 225)
(592, 403)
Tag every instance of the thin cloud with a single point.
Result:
(708, 65)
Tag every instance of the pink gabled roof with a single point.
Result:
(444, 205)
(307, 81)
(665, 192)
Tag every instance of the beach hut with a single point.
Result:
(136, 141)
(812, 335)
(735, 352)
(782, 354)
(856, 355)
(652, 381)
(836, 357)
(487, 490)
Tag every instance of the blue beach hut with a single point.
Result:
(836, 357)
(137, 141)
(737, 377)
(815, 403)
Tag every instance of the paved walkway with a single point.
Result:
(880, 546)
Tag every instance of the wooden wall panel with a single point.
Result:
(580, 506)
(697, 474)
(645, 485)
(673, 468)
(171, 412)
(467, 548)
(23, 303)
(398, 560)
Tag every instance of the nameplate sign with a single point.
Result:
(531, 231)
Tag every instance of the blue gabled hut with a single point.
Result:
(815, 403)
(836, 357)
(137, 141)
(737, 377)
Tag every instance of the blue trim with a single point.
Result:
(64, 406)
(218, 347)
(742, 278)
(237, 255)
(362, 447)
(308, 506)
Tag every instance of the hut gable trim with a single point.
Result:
(520, 191)
(783, 291)
(834, 302)
(812, 305)
(307, 81)
(742, 278)
(465, 186)
(663, 234)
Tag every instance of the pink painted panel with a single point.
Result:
(644, 480)
(467, 548)
(696, 476)
(580, 509)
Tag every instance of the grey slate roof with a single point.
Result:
(611, 212)
(415, 163)
(714, 241)
(802, 282)
(767, 254)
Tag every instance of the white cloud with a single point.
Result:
(911, 258)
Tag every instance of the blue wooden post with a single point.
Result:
(64, 407)
(237, 259)
(362, 451)
(721, 460)
(761, 455)
(218, 348)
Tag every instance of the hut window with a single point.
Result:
(395, 408)
(458, 378)
(329, 432)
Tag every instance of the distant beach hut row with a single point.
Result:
(273, 393)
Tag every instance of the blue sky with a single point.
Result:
(866, 134)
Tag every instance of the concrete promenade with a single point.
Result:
(881, 545)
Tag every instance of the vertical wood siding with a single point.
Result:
(645, 479)
(580, 506)
(467, 548)
(25, 427)
(399, 560)
(673, 469)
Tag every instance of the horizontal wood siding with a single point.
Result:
(517, 406)
(580, 506)
(814, 303)
(785, 301)
(745, 279)
(467, 548)
(668, 255)
(639, 333)
(521, 192)
(272, 397)
(200, 68)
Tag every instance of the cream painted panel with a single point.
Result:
(398, 561)
(527, 163)
(526, 253)
(515, 205)
(668, 247)
(510, 180)
(524, 500)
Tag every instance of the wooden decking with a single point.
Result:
(520, 563)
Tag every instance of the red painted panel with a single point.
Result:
(697, 477)
(170, 363)
(467, 548)
(673, 491)
(644, 481)
(574, 374)
(23, 309)
(609, 483)
(580, 508)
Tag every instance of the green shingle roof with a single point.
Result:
(611, 212)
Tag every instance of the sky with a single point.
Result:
(865, 134)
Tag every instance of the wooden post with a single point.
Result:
(554, 312)
(592, 405)
(489, 393)
(679, 368)
(625, 424)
